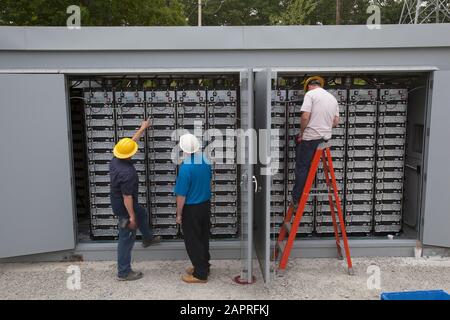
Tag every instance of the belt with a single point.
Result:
(198, 204)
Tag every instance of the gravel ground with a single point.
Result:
(304, 279)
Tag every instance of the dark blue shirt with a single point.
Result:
(194, 179)
(124, 181)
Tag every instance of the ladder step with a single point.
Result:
(287, 226)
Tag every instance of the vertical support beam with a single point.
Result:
(338, 12)
(418, 5)
(199, 13)
(438, 7)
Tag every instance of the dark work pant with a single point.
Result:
(304, 153)
(196, 225)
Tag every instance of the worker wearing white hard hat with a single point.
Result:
(193, 192)
(189, 143)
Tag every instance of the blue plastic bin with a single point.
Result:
(416, 295)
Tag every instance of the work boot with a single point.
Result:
(133, 275)
(191, 279)
(190, 271)
(146, 243)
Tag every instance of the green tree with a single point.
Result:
(35, 12)
(135, 13)
(182, 12)
(296, 12)
(232, 12)
(355, 11)
(93, 12)
(390, 10)
(352, 12)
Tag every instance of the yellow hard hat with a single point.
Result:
(125, 148)
(307, 81)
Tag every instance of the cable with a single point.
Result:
(82, 98)
(77, 83)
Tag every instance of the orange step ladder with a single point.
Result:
(284, 246)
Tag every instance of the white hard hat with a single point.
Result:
(189, 143)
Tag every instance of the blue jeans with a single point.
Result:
(304, 153)
(127, 238)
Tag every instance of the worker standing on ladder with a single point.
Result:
(319, 114)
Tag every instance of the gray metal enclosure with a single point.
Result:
(36, 164)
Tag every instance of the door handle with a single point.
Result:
(255, 181)
(415, 168)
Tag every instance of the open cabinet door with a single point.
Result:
(35, 169)
(246, 151)
(262, 170)
(436, 218)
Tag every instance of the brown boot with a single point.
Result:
(190, 271)
(191, 279)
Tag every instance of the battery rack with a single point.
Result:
(114, 108)
(368, 150)
(222, 121)
(360, 160)
(390, 159)
(162, 168)
(100, 119)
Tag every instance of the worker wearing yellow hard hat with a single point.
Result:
(124, 184)
(125, 148)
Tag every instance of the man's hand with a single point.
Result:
(132, 225)
(128, 202)
(335, 121)
(145, 124)
(298, 138)
(180, 206)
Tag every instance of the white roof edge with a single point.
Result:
(212, 70)
(223, 38)
(120, 70)
(355, 69)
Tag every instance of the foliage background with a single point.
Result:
(184, 12)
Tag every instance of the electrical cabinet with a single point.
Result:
(390, 159)
(368, 148)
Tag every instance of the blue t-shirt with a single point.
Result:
(194, 179)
